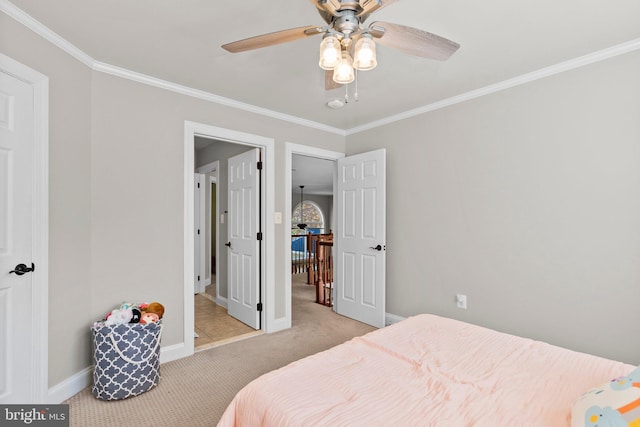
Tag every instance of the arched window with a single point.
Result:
(308, 213)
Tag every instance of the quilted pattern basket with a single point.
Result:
(126, 359)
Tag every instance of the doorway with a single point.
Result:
(216, 318)
(194, 131)
(304, 158)
(360, 231)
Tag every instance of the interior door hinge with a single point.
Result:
(198, 231)
(198, 278)
(198, 185)
(259, 306)
(259, 235)
(259, 166)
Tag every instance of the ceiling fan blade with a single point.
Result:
(415, 42)
(370, 6)
(329, 6)
(329, 84)
(271, 39)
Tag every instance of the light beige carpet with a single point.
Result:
(196, 390)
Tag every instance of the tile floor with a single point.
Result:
(214, 326)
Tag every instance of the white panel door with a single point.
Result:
(199, 227)
(360, 237)
(243, 245)
(16, 232)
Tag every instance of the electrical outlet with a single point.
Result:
(461, 301)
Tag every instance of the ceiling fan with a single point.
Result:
(348, 45)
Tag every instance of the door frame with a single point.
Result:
(199, 253)
(191, 130)
(212, 170)
(304, 150)
(213, 179)
(40, 240)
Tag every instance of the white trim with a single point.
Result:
(213, 169)
(188, 241)
(70, 386)
(390, 319)
(34, 25)
(191, 130)
(199, 258)
(208, 96)
(561, 67)
(213, 179)
(37, 27)
(40, 239)
(305, 150)
(221, 301)
(83, 379)
(173, 352)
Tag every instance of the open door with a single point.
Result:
(360, 238)
(245, 238)
(198, 232)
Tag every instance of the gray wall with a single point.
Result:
(116, 193)
(70, 232)
(528, 202)
(222, 152)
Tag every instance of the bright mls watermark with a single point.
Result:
(34, 415)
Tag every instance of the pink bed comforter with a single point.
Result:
(425, 371)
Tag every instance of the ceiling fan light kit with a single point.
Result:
(345, 19)
(364, 58)
(329, 52)
(344, 72)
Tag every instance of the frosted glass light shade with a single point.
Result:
(344, 73)
(364, 57)
(329, 53)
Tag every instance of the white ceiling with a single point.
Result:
(179, 41)
(315, 174)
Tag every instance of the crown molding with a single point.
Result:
(37, 27)
(17, 14)
(561, 67)
(208, 96)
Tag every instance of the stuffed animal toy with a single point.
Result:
(119, 316)
(148, 318)
(136, 314)
(157, 308)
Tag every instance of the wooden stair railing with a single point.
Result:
(314, 256)
(323, 269)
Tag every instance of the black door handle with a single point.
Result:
(376, 248)
(21, 269)
(228, 244)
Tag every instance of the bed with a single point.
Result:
(429, 371)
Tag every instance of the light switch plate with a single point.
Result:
(277, 217)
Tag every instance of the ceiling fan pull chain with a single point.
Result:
(355, 95)
(346, 93)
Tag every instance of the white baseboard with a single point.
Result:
(83, 379)
(173, 352)
(221, 301)
(277, 325)
(390, 319)
(71, 386)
